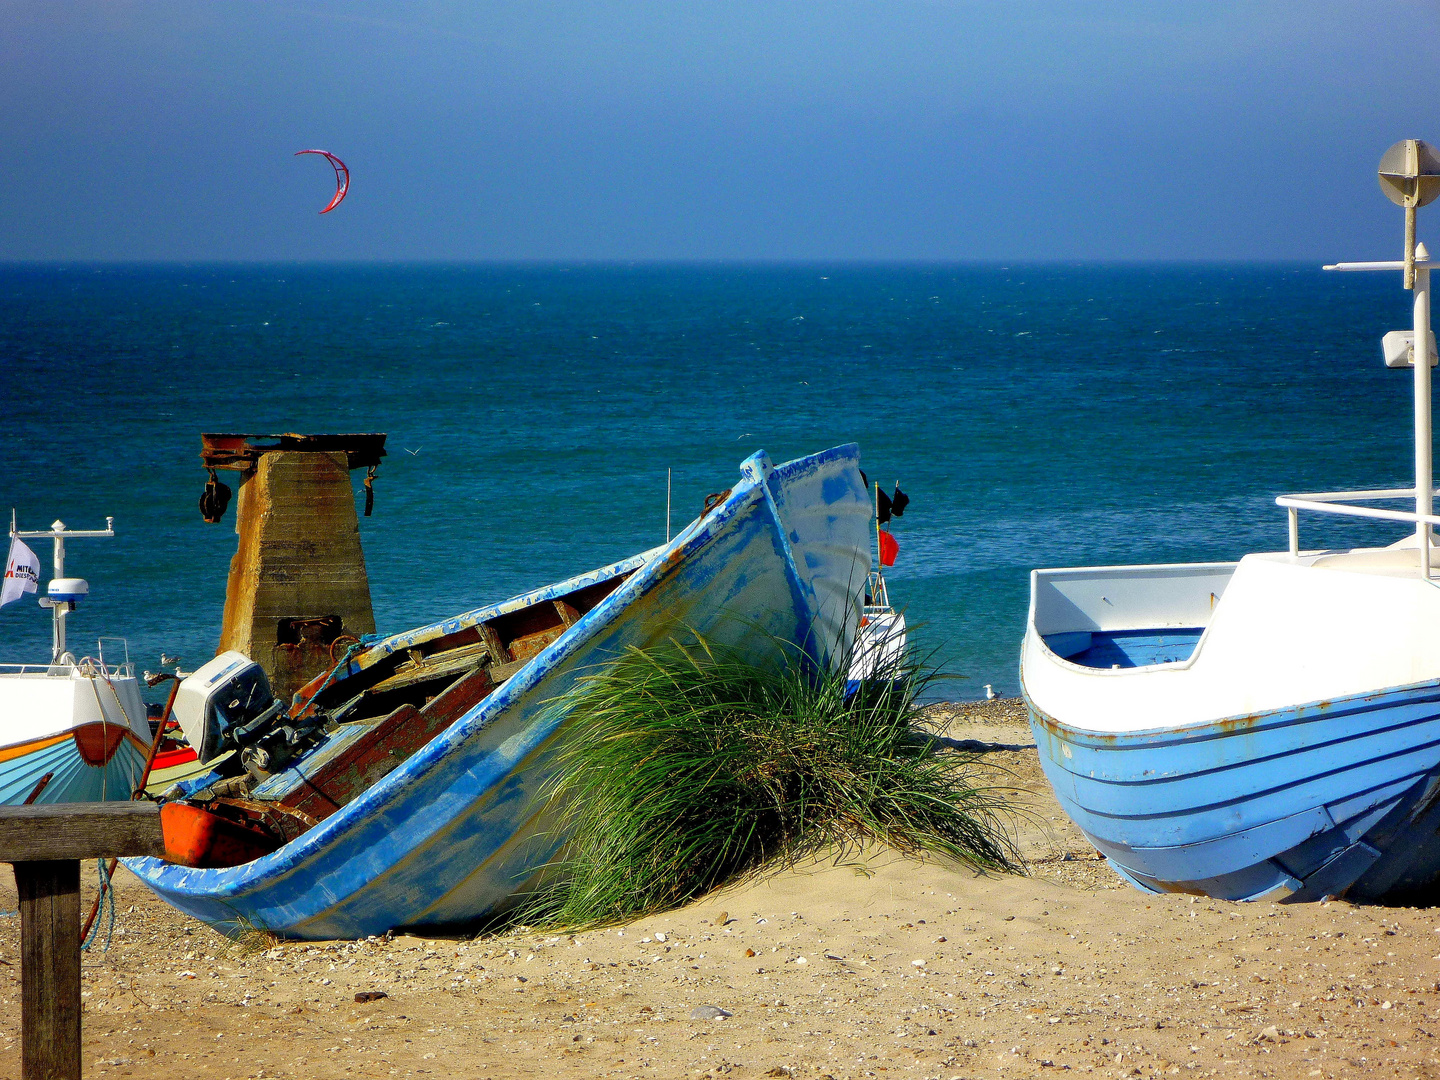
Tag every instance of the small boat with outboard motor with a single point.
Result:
(1267, 729)
(71, 729)
(879, 653)
(399, 787)
(880, 645)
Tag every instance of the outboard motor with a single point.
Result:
(224, 698)
(228, 705)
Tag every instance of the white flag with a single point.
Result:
(22, 573)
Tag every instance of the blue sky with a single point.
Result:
(566, 130)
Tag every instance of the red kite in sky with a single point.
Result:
(342, 176)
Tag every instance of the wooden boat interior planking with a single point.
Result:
(387, 711)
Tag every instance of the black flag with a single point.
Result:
(882, 506)
(898, 502)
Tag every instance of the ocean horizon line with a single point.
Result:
(660, 263)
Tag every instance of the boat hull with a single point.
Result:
(1331, 798)
(82, 765)
(456, 832)
(71, 733)
(879, 653)
(1266, 729)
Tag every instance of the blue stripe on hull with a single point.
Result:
(73, 780)
(1327, 798)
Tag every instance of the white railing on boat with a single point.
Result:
(87, 665)
(1335, 502)
(35, 669)
(124, 665)
(879, 595)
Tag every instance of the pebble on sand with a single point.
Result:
(709, 1012)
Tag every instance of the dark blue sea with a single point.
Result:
(1037, 416)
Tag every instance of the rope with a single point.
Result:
(364, 642)
(107, 899)
(104, 728)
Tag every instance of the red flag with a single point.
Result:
(889, 548)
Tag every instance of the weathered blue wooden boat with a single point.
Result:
(453, 833)
(1268, 728)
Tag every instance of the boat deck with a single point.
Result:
(1126, 648)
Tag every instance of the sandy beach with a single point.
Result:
(893, 969)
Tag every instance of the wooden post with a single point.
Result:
(49, 969)
(46, 844)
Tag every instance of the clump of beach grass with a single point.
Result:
(688, 766)
(247, 939)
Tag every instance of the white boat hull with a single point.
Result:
(1263, 729)
(70, 733)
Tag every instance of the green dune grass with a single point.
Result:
(687, 766)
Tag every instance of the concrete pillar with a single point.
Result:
(297, 581)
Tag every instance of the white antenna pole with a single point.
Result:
(59, 610)
(667, 504)
(879, 552)
(1424, 481)
(1410, 178)
(57, 529)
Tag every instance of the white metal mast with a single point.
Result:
(1410, 177)
(60, 608)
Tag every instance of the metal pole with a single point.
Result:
(1424, 483)
(878, 556)
(1410, 246)
(1294, 531)
(59, 610)
(668, 473)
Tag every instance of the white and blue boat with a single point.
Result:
(71, 729)
(1266, 729)
(453, 829)
(879, 653)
